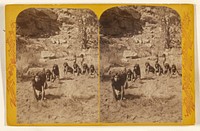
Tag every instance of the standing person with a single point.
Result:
(136, 72)
(129, 75)
(167, 68)
(55, 71)
(157, 59)
(43, 77)
(82, 59)
(75, 58)
(49, 75)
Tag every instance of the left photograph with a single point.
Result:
(57, 66)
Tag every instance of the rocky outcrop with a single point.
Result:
(144, 30)
(47, 55)
(33, 71)
(130, 54)
(120, 20)
(37, 23)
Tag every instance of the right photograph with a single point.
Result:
(140, 65)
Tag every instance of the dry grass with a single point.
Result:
(152, 99)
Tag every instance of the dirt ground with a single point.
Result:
(75, 99)
(151, 99)
(72, 100)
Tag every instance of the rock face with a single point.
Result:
(47, 55)
(130, 54)
(44, 34)
(120, 20)
(37, 23)
(113, 70)
(33, 71)
(147, 31)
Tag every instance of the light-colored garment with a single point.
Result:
(117, 92)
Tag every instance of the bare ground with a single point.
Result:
(72, 100)
(151, 99)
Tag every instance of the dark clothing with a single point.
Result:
(92, 71)
(158, 69)
(77, 70)
(85, 70)
(56, 72)
(37, 85)
(116, 85)
(129, 76)
(123, 78)
(49, 76)
(174, 69)
(120, 82)
(151, 69)
(68, 69)
(137, 72)
(42, 76)
(167, 70)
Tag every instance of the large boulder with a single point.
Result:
(130, 54)
(119, 70)
(37, 23)
(120, 20)
(33, 71)
(48, 55)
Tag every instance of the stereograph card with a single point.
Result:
(100, 64)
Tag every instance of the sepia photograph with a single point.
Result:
(140, 65)
(57, 66)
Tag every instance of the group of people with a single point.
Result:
(77, 70)
(39, 83)
(119, 80)
(159, 70)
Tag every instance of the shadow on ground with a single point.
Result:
(148, 78)
(132, 97)
(52, 97)
(66, 78)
